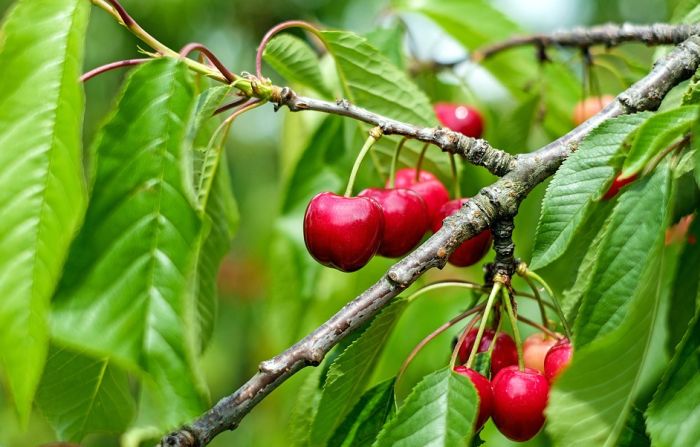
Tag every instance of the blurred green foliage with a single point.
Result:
(254, 321)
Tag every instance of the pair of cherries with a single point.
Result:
(346, 232)
(515, 399)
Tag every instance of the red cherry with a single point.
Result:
(535, 348)
(504, 353)
(519, 399)
(460, 118)
(343, 232)
(472, 250)
(483, 388)
(558, 359)
(405, 219)
(431, 190)
(588, 107)
(618, 184)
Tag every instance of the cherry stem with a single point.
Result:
(374, 134)
(554, 299)
(419, 164)
(276, 29)
(460, 340)
(230, 105)
(492, 345)
(194, 46)
(538, 297)
(661, 155)
(443, 284)
(516, 331)
(419, 347)
(489, 304)
(455, 177)
(111, 66)
(395, 162)
(544, 329)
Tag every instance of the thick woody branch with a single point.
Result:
(609, 35)
(494, 203)
(476, 151)
(503, 245)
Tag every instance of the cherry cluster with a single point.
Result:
(346, 232)
(515, 398)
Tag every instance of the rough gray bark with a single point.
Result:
(497, 202)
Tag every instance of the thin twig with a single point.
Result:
(111, 66)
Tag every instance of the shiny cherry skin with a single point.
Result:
(483, 388)
(504, 352)
(431, 190)
(405, 219)
(617, 185)
(558, 359)
(535, 348)
(519, 399)
(343, 232)
(588, 107)
(472, 250)
(460, 118)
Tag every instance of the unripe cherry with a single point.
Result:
(535, 348)
(585, 109)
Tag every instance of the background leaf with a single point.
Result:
(129, 267)
(294, 59)
(440, 411)
(80, 394)
(349, 374)
(673, 416)
(590, 402)
(42, 187)
(577, 186)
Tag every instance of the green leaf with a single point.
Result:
(42, 186)
(370, 80)
(363, 423)
(655, 134)
(685, 290)
(212, 187)
(440, 411)
(304, 411)
(389, 41)
(80, 394)
(125, 291)
(577, 186)
(350, 372)
(624, 251)
(590, 402)
(294, 59)
(673, 417)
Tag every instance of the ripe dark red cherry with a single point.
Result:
(405, 219)
(519, 400)
(504, 352)
(588, 107)
(617, 185)
(428, 186)
(472, 250)
(535, 348)
(460, 118)
(558, 359)
(483, 388)
(343, 232)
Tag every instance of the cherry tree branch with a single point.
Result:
(609, 35)
(493, 203)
